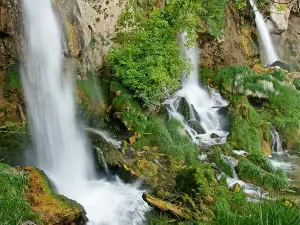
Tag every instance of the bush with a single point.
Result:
(275, 182)
(192, 182)
(249, 171)
(262, 161)
(216, 157)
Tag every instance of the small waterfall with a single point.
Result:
(107, 137)
(276, 142)
(203, 123)
(248, 188)
(105, 166)
(264, 34)
(59, 147)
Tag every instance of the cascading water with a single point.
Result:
(248, 188)
(276, 142)
(204, 124)
(60, 148)
(264, 34)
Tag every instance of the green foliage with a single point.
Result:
(261, 160)
(15, 208)
(275, 181)
(279, 75)
(296, 83)
(148, 63)
(249, 171)
(214, 16)
(216, 157)
(192, 182)
(264, 213)
(91, 88)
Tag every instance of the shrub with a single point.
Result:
(249, 171)
(192, 182)
(275, 182)
(216, 157)
(261, 160)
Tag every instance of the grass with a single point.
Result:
(14, 206)
(249, 171)
(264, 213)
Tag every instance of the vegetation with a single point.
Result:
(15, 208)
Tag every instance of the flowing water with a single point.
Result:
(204, 123)
(59, 147)
(264, 34)
(276, 142)
(250, 189)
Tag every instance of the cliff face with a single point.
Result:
(238, 47)
(10, 30)
(88, 25)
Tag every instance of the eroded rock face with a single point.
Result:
(237, 47)
(89, 26)
(10, 30)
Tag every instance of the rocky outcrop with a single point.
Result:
(236, 48)
(10, 30)
(89, 26)
(52, 208)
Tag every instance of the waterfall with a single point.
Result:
(204, 123)
(264, 34)
(59, 147)
(276, 142)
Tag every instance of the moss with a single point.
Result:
(147, 170)
(52, 208)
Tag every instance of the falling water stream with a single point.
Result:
(264, 34)
(59, 147)
(204, 124)
(276, 142)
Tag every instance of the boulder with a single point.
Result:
(279, 14)
(184, 109)
(282, 65)
(196, 125)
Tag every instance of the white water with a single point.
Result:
(203, 106)
(60, 148)
(276, 142)
(107, 137)
(264, 34)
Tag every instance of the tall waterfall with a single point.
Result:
(276, 142)
(264, 34)
(204, 123)
(60, 148)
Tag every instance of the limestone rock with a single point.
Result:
(280, 13)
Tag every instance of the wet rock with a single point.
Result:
(214, 135)
(196, 125)
(52, 208)
(282, 65)
(184, 109)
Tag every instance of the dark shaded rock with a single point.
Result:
(282, 65)
(213, 135)
(184, 109)
(195, 113)
(196, 125)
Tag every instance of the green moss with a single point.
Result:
(296, 83)
(14, 206)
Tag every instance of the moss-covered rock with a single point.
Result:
(52, 208)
